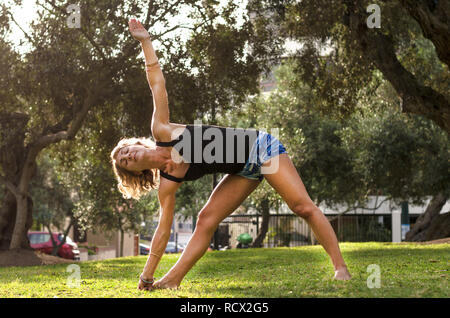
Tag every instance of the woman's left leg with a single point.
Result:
(285, 179)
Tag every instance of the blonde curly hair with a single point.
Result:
(130, 184)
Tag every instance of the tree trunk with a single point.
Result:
(7, 218)
(12, 159)
(21, 219)
(419, 230)
(8, 222)
(18, 162)
(121, 243)
(57, 247)
(439, 228)
(265, 211)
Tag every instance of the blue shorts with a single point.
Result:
(265, 147)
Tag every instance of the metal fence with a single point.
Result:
(363, 228)
(291, 230)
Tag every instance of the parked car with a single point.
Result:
(144, 249)
(171, 248)
(42, 242)
(182, 245)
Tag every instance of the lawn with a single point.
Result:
(406, 270)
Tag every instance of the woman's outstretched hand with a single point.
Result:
(138, 31)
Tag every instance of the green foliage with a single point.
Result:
(192, 196)
(404, 156)
(367, 229)
(376, 150)
(99, 205)
(332, 58)
(91, 249)
(311, 140)
(51, 197)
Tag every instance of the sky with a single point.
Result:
(23, 15)
(28, 11)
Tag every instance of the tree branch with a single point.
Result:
(83, 31)
(62, 125)
(43, 141)
(150, 10)
(416, 98)
(163, 14)
(9, 185)
(75, 125)
(66, 232)
(160, 35)
(23, 31)
(433, 18)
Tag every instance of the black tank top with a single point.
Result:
(211, 149)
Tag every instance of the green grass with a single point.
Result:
(407, 270)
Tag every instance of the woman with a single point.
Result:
(174, 158)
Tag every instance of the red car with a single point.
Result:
(41, 241)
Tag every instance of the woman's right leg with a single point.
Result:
(231, 191)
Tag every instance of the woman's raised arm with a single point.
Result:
(155, 78)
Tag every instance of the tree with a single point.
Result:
(340, 51)
(404, 157)
(96, 71)
(376, 151)
(311, 142)
(354, 49)
(53, 205)
(36, 115)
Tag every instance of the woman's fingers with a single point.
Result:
(144, 286)
(134, 24)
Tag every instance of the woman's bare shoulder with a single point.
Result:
(168, 132)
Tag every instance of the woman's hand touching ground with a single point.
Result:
(138, 31)
(145, 286)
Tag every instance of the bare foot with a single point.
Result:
(342, 274)
(165, 283)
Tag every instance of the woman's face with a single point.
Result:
(132, 157)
